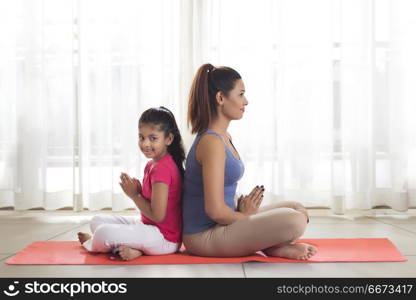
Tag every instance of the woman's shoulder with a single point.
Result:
(211, 140)
(210, 133)
(210, 147)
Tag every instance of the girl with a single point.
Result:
(159, 200)
(213, 225)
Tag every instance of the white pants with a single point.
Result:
(110, 232)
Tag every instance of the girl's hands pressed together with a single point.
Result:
(248, 205)
(131, 186)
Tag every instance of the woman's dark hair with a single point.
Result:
(208, 81)
(165, 119)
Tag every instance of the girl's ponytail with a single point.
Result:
(176, 148)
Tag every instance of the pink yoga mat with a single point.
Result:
(329, 250)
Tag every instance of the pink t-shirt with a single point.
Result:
(166, 171)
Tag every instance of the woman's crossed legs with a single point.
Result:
(273, 230)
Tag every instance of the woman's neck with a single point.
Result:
(219, 125)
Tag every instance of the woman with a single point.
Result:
(213, 225)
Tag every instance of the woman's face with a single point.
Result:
(234, 104)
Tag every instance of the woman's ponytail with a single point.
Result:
(202, 105)
(200, 109)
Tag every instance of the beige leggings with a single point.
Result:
(271, 227)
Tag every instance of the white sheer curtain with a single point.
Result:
(75, 76)
(36, 104)
(330, 84)
(330, 87)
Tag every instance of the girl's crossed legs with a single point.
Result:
(127, 234)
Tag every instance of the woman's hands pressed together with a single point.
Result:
(131, 186)
(248, 205)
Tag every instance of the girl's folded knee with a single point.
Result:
(95, 222)
(98, 219)
(102, 232)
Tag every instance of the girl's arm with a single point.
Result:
(155, 209)
(210, 153)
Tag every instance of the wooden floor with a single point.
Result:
(19, 229)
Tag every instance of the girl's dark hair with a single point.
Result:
(208, 81)
(165, 119)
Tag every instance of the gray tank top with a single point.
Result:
(195, 218)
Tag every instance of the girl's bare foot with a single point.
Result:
(299, 251)
(127, 253)
(83, 237)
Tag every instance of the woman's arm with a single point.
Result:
(210, 153)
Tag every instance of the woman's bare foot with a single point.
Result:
(299, 251)
(83, 237)
(127, 253)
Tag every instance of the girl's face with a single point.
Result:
(152, 141)
(234, 104)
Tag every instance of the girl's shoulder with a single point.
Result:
(165, 170)
(165, 164)
(149, 166)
